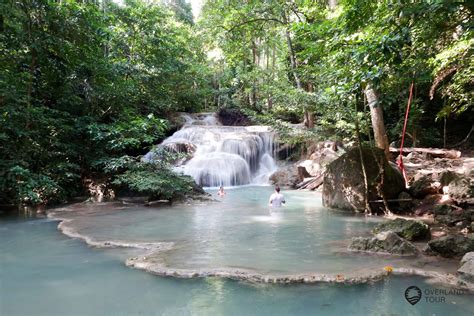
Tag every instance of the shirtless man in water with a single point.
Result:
(277, 199)
(221, 191)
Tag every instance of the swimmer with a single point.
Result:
(277, 199)
(221, 191)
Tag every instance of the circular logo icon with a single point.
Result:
(413, 294)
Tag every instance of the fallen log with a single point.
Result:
(316, 183)
(434, 152)
(311, 183)
(304, 182)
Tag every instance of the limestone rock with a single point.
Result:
(423, 186)
(461, 190)
(319, 156)
(451, 215)
(286, 176)
(384, 242)
(447, 176)
(452, 245)
(343, 186)
(409, 229)
(466, 271)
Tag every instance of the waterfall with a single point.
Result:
(221, 155)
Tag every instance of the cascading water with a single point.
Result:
(222, 155)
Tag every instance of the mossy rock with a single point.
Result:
(409, 229)
(448, 176)
(452, 246)
(385, 242)
(442, 209)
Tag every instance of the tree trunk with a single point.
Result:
(292, 59)
(376, 115)
(270, 97)
(307, 117)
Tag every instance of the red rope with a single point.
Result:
(400, 161)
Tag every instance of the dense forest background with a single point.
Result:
(89, 86)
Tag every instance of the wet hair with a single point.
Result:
(277, 188)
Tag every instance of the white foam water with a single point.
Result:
(222, 155)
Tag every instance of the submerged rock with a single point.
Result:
(384, 242)
(466, 271)
(409, 229)
(451, 246)
(344, 188)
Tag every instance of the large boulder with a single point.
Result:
(386, 242)
(286, 176)
(451, 246)
(466, 271)
(408, 229)
(343, 186)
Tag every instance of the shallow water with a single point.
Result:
(42, 272)
(240, 231)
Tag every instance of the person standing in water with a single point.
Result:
(221, 191)
(277, 199)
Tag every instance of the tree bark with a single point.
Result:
(307, 117)
(255, 62)
(376, 115)
(292, 59)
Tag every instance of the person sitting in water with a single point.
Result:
(221, 191)
(276, 199)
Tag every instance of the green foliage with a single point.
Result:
(155, 181)
(30, 188)
(127, 134)
(82, 83)
(338, 52)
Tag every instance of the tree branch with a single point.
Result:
(250, 22)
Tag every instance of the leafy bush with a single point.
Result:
(30, 188)
(157, 183)
(155, 179)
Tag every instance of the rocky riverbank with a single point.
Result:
(433, 215)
